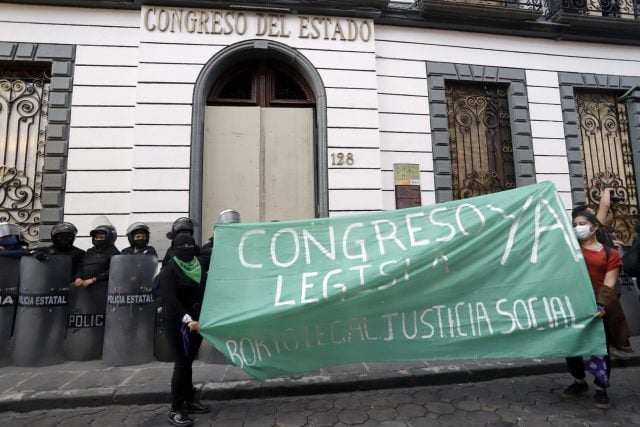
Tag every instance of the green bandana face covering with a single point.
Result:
(192, 268)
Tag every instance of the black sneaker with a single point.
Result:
(602, 399)
(180, 419)
(196, 407)
(576, 389)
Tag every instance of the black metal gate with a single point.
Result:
(23, 119)
(479, 139)
(607, 159)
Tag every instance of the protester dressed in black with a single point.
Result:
(182, 283)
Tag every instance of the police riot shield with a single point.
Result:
(128, 333)
(38, 336)
(85, 322)
(10, 273)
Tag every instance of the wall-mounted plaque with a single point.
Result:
(406, 178)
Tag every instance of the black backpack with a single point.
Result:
(624, 277)
(631, 260)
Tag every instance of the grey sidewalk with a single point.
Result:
(76, 384)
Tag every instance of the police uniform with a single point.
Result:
(139, 246)
(11, 244)
(63, 236)
(87, 305)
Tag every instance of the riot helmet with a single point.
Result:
(181, 225)
(63, 235)
(7, 229)
(108, 230)
(229, 216)
(138, 228)
(64, 227)
(9, 234)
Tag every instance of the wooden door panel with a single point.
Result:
(259, 161)
(289, 167)
(231, 164)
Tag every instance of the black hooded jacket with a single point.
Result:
(180, 294)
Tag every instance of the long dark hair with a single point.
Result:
(592, 218)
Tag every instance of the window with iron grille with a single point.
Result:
(606, 157)
(479, 139)
(24, 92)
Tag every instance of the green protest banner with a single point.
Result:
(496, 276)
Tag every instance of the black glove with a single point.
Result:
(40, 256)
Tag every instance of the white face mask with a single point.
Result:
(583, 232)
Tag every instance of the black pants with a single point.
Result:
(576, 365)
(576, 368)
(182, 379)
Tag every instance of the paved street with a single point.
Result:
(522, 401)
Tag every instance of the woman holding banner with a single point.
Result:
(603, 266)
(181, 283)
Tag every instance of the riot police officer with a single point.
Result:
(182, 225)
(88, 299)
(11, 243)
(62, 237)
(11, 250)
(138, 234)
(95, 267)
(228, 216)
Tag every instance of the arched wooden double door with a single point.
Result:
(259, 145)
